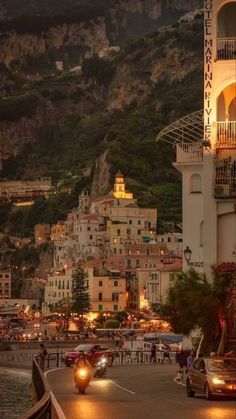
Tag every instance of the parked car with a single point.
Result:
(93, 352)
(212, 377)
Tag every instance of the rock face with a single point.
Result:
(90, 39)
(101, 179)
(29, 58)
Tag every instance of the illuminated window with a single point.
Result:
(115, 241)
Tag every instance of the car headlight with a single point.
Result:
(218, 381)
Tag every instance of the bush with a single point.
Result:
(14, 108)
(112, 324)
(100, 70)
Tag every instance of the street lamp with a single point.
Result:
(187, 254)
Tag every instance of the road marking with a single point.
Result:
(53, 369)
(59, 410)
(179, 382)
(122, 388)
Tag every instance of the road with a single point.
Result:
(132, 392)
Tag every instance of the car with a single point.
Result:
(93, 353)
(213, 377)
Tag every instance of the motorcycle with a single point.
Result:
(82, 378)
(101, 367)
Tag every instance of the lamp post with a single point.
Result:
(187, 254)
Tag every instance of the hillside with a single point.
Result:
(78, 92)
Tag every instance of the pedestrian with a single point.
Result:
(166, 353)
(42, 356)
(181, 358)
(190, 360)
(153, 353)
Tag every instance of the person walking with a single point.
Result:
(42, 356)
(190, 360)
(153, 353)
(166, 353)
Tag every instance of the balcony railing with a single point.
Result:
(226, 134)
(226, 49)
(225, 173)
(189, 152)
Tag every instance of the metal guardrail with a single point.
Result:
(125, 357)
(44, 407)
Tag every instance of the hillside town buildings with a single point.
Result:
(111, 237)
(25, 189)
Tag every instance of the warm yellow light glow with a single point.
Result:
(91, 316)
(23, 204)
(143, 302)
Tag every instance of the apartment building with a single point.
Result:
(5, 284)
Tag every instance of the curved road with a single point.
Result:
(132, 392)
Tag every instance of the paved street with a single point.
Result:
(131, 392)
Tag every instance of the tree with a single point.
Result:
(64, 307)
(80, 295)
(192, 302)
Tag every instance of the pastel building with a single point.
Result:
(173, 241)
(140, 260)
(158, 282)
(42, 233)
(5, 284)
(107, 288)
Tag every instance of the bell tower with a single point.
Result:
(119, 188)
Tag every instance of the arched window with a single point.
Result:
(196, 184)
(226, 21)
(226, 32)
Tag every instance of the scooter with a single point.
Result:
(82, 378)
(101, 367)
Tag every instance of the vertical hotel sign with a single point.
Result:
(208, 73)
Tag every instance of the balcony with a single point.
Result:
(189, 153)
(225, 173)
(226, 134)
(226, 49)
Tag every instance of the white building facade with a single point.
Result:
(208, 167)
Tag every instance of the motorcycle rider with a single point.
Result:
(82, 362)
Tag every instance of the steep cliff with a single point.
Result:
(71, 82)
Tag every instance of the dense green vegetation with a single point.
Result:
(20, 221)
(193, 302)
(82, 126)
(14, 108)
